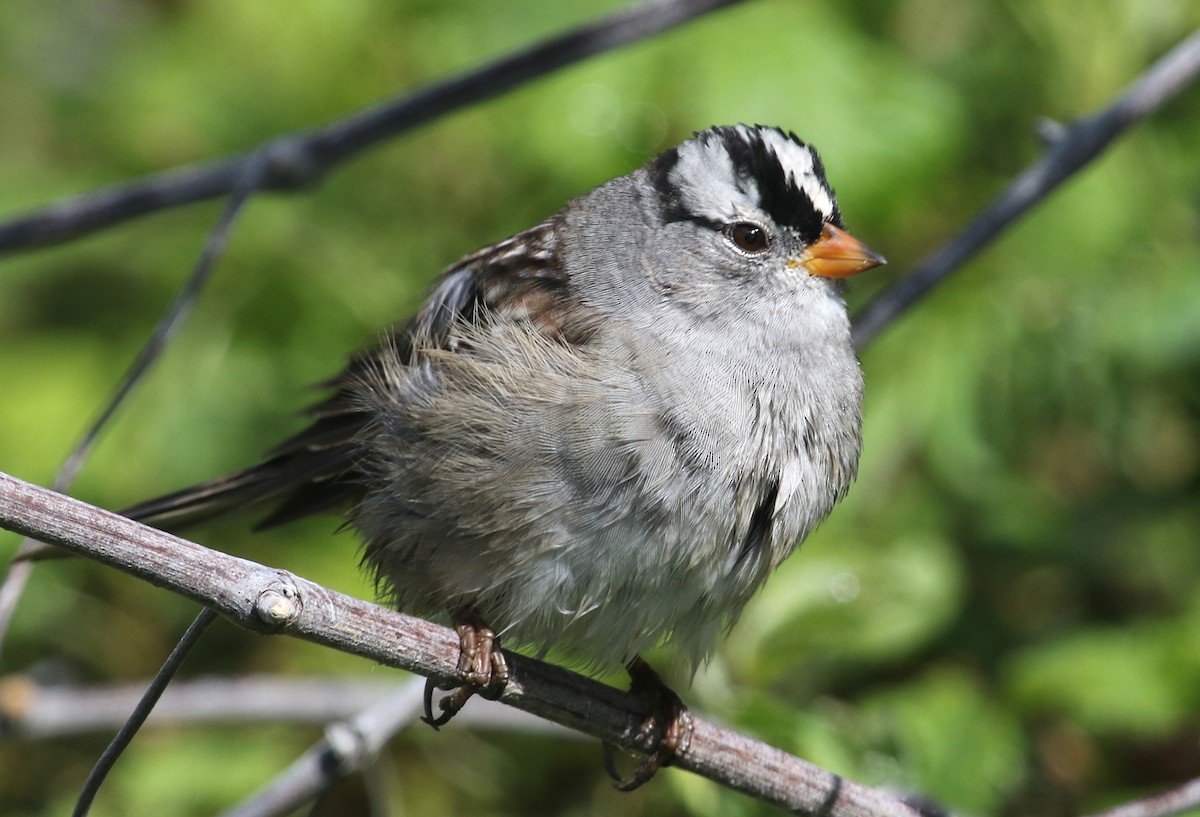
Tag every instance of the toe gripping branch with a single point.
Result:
(481, 668)
(483, 671)
(665, 715)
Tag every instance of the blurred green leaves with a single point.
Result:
(1138, 679)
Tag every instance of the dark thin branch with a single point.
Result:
(296, 160)
(253, 173)
(17, 576)
(274, 601)
(248, 182)
(1070, 149)
(142, 711)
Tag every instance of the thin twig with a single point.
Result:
(33, 711)
(1071, 148)
(17, 576)
(296, 160)
(352, 745)
(138, 716)
(348, 747)
(269, 600)
(1176, 801)
(248, 183)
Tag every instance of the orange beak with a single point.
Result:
(837, 254)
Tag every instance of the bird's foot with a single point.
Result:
(481, 668)
(665, 716)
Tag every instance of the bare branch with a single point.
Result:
(1070, 149)
(14, 581)
(269, 600)
(349, 747)
(32, 711)
(1177, 801)
(298, 159)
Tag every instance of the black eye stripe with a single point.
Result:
(781, 197)
(733, 230)
(712, 224)
(757, 167)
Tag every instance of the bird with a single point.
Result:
(604, 432)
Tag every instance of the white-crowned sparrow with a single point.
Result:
(606, 431)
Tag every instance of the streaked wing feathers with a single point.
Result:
(517, 280)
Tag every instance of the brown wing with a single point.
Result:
(519, 279)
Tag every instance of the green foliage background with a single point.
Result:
(1005, 613)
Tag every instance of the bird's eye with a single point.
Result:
(747, 237)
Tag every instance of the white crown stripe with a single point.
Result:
(711, 187)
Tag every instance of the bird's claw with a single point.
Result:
(481, 668)
(665, 715)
